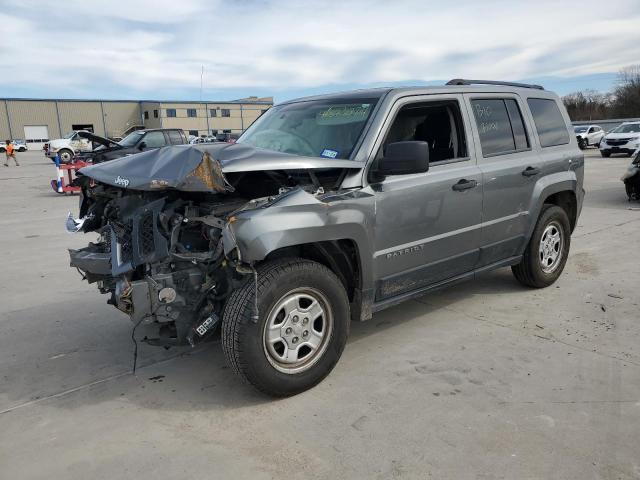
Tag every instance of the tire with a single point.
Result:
(22, 149)
(257, 353)
(581, 143)
(605, 154)
(534, 269)
(66, 155)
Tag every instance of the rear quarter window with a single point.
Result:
(550, 125)
(175, 137)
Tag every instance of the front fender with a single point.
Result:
(300, 218)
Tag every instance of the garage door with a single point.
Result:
(35, 136)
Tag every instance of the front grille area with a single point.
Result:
(618, 141)
(147, 245)
(134, 238)
(123, 235)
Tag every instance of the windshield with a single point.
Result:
(69, 135)
(629, 128)
(131, 139)
(579, 129)
(317, 128)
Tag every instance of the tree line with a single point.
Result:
(622, 102)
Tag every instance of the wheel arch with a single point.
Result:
(565, 199)
(557, 189)
(341, 256)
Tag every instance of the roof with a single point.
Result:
(203, 102)
(417, 90)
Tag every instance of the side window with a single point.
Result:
(549, 122)
(175, 137)
(500, 126)
(154, 139)
(437, 123)
(517, 124)
(591, 130)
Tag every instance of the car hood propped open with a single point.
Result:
(200, 168)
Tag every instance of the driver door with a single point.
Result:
(427, 225)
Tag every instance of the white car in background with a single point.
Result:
(67, 147)
(623, 139)
(588, 135)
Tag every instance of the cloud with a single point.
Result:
(143, 48)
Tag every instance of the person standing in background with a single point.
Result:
(11, 153)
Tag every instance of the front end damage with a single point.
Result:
(166, 252)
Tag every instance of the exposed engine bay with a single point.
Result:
(166, 253)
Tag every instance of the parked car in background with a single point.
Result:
(199, 140)
(227, 137)
(588, 135)
(19, 145)
(67, 147)
(138, 141)
(631, 178)
(623, 139)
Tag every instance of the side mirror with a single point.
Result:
(142, 145)
(402, 158)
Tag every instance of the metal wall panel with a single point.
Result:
(119, 116)
(81, 113)
(4, 122)
(32, 112)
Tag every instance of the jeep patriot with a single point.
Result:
(329, 209)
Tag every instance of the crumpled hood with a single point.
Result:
(196, 167)
(105, 142)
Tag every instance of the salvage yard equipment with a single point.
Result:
(58, 184)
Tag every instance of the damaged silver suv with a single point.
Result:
(326, 210)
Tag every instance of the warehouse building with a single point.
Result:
(37, 120)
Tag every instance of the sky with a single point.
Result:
(115, 49)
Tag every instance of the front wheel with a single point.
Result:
(547, 251)
(299, 332)
(605, 154)
(66, 156)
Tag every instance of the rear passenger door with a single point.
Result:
(510, 168)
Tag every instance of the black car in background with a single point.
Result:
(138, 141)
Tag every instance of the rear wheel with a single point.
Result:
(605, 154)
(299, 333)
(547, 251)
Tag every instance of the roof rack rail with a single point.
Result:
(462, 81)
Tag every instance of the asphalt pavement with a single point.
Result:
(484, 380)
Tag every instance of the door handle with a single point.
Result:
(464, 184)
(530, 171)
